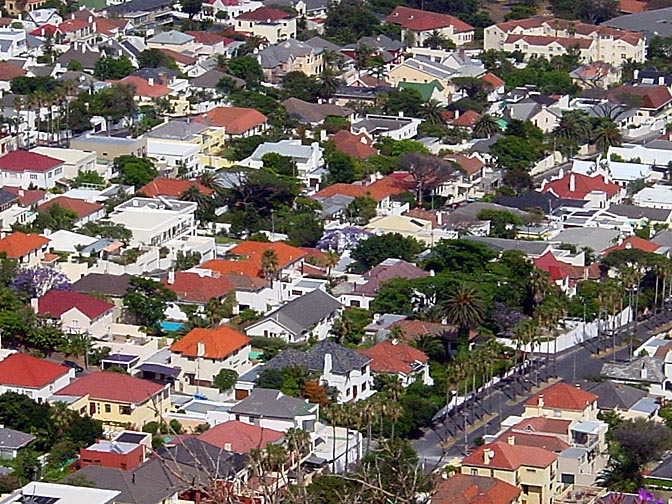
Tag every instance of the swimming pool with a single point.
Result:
(171, 326)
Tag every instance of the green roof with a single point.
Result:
(426, 89)
(93, 4)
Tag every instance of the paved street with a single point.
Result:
(507, 399)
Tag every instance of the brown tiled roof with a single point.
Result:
(235, 120)
(357, 146)
(217, 343)
(563, 397)
(194, 288)
(116, 387)
(545, 40)
(378, 190)
(544, 425)
(80, 207)
(263, 14)
(9, 71)
(162, 186)
(396, 358)
(421, 20)
(653, 97)
(509, 457)
(547, 442)
(470, 489)
(467, 120)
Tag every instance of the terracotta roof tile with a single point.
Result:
(182, 59)
(171, 187)
(545, 40)
(419, 20)
(396, 358)
(493, 80)
(378, 190)
(218, 343)
(544, 425)
(26, 196)
(9, 71)
(116, 387)
(250, 253)
(470, 165)
(234, 120)
(564, 397)
(21, 160)
(547, 442)
(467, 120)
(143, 88)
(24, 370)
(194, 288)
(209, 38)
(57, 302)
(80, 207)
(653, 97)
(509, 457)
(632, 6)
(356, 146)
(240, 437)
(263, 14)
(19, 244)
(634, 242)
(469, 489)
(583, 185)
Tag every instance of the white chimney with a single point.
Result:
(200, 349)
(643, 373)
(488, 454)
(572, 182)
(171, 277)
(150, 81)
(540, 402)
(511, 440)
(35, 304)
(227, 446)
(327, 364)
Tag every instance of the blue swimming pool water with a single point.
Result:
(171, 326)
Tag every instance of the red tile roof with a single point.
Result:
(388, 357)
(634, 242)
(114, 387)
(509, 457)
(547, 442)
(583, 185)
(194, 288)
(419, 20)
(217, 343)
(387, 271)
(378, 190)
(549, 263)
(9, 71)
(356, 146)
(24, 370)
(632, 6)
(544, 425)
(251, 253)
(469, 165)
(563, 397)
(21, 160)
(26, 196)
(182, 59)
(469, 489)
(234, 120)
(653, 97)
(264, 14)
(171, 187)
(413, 329)
(240, 437)
(109, 26)
(142, 87)
(209, 38)
(80, 207)
(493, 80)
(72, 25)
(47, 30)
(545, 40)
(19, 244)
(57, 302)
(467, 120)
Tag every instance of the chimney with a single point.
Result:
(643, 372)
(572, 182)
(511, 440)
(150, 81)
(488, 454)
(227, 446)
(171, 277)
(327, 364)
(323, 135)
(200, 349)
(540, 401)
(35, 304)
(395, 341)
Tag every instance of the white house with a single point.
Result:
(56, 493)
(658, 196)
(271, 409)
(78, 313)
(24, 169)
(406, 363)
(395, 127)
(12, 43)
(36, 378)
(154, 222)
(74, 160)
(175, 155)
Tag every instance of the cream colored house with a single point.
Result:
(610, 45)
(564, 402)
(290, 56)
(273, 25)
(533, 470)
(417, 25)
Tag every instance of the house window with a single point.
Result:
(33, 177)
(474, 472)
(125, 410)
(108, 408)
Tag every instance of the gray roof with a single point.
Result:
(643, 370)
(160, 74)
(88, 59)
(597, 239)
(13, 440)
(300, 314)
(275, 55)
(138, 6)
(313, 113)
(319, 42)
(196, 453)
(274, 404)
(611, 396)
(333, 204)
(636, 212)
(211, 78)
(663, 238)
(311, 5)
(7, 197)
(483, 146)
(343, 359)
(663, 470)
(534, 248)
(177, 130)
(171, 37)
(650, 23)
(112, 285)
(470, 211)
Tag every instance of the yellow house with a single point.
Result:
(533, 470)
(209, 140)
(118, 400)
(562, 401)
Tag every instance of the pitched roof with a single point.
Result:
(419, 20)
(612, 395)
(378, 190)
(209, 38)
(547, 442)
(57, 302)
(413, 329)
(13, 439)
(653, 97)
(19, 244)
(240, 437)
(194, 288)
(111, 285)
(492, 79)
(273, 404)
(549, 263)
(217, 343)
(546, 40)
(387, 270)
(564, 397)
(543, 425)
(9, 71)
(21, 160)
(469, 165)
(143, 88)
(578, 186)
(343, 359)
(301, 313)
(251, 253)
(234, 120)
(389, 357)
(310, 113)
(22, 370)
(264, 14)
(162, 186)
(26, 196)
(470, 489)
(467, 120)
(509, 457)
(634, 242)
(181, 58)
(116, 387)
(80, 207)
(356, 146)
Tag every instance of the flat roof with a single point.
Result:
(113, 447)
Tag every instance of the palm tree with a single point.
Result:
(486, 126)
(607, 135)
(525, 333)
(379, 72)
(539, 284)
(431, 111)
(362, 56)
(328, 83)
(435, 40)
(331, 259)
(574, 126)
(465, 309)
(269, 263)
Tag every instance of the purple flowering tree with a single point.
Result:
(37, 281)
(506, 319)
(343, 239)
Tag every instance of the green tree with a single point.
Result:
(154, 58)
(350, 20)
(88, 177)
(113, 103)
(246, 68)
(225, 380)
(377, 248)
(486, 126)
(297, 84)
(191, 7)
(282, 165)
(361, 210)
(503, 224)
(147, 301)
(109, 68)
(409, 101)
(607, 135)
(436, 40)
(135, 171)
(54, 218)
(342, 168)
(106, 229)
(516, 153)
(465, 308)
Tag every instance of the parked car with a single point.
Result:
(72, 365)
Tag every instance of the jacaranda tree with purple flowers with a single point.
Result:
(37, 281)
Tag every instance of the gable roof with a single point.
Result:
(234, 120)
(9, 71)
(548, 442)
(14, 439)
(264, 14)
(638, 212)
(209, 38)
(217, 343)
(419, 20)
(273, 404)
(116, 387)
(57, 302)
(240, 437)
(578, 186)
(311, 113)
(26, 196)
(611, 396)
(251, 253)
(162, 186)
(563, 397)
(142, 87)
(357, 146)
(549, 263)
(111, 285)
(467, 120)
(80, 207)
(19, 244)
(195, 288)
(343, 359)
(387, 270)
(653, 97)
(543, 425)
(378, 190)
(22, 370)
(301, 313)
(470, 489)
(634, 242)
(390, 357)
(509, 457)
(21, 160)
